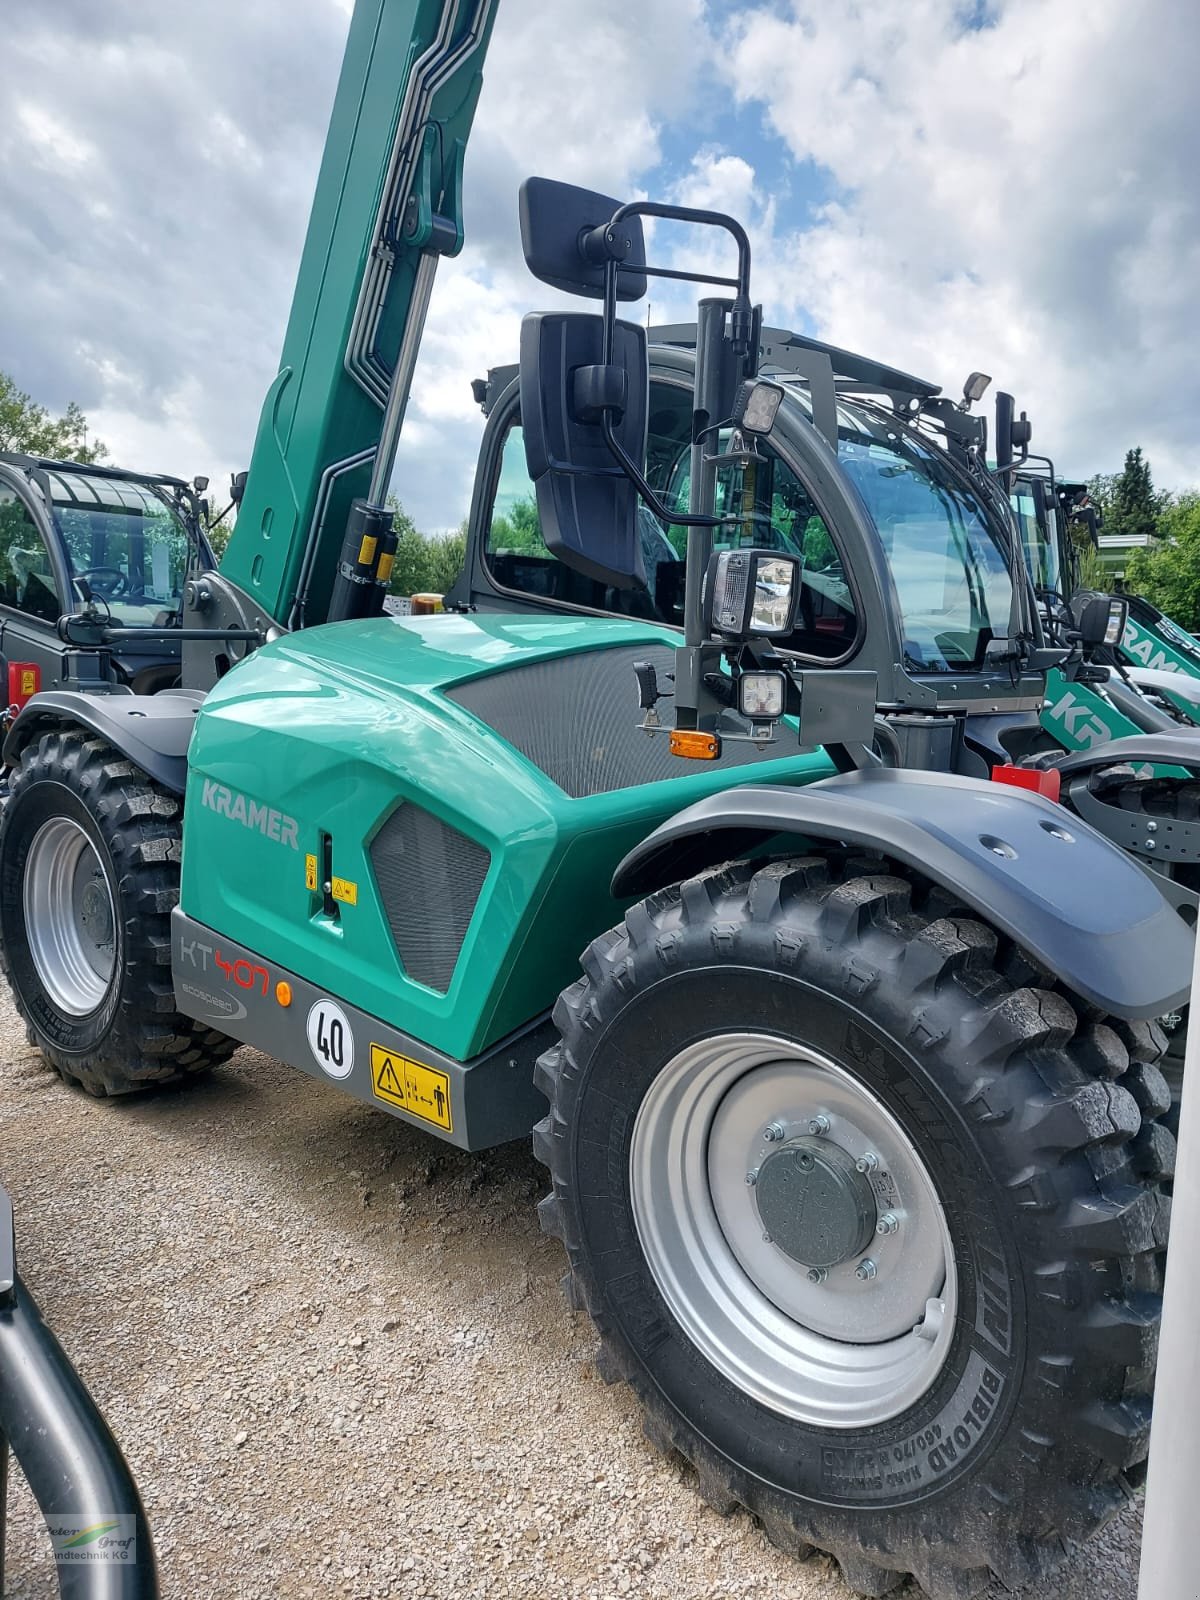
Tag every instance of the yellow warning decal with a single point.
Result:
(345, 891)
(386, 563)
(310, 872)
(29, 680)
(366, 550)
(420, 1090)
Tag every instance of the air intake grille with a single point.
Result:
(576, 718)
(429, 878)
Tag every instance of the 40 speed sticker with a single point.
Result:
(330, 1039)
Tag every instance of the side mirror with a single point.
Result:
(1041, 504)
(1091, 521)
(1100, 619)
(558, 222)
(237, 487)
(588, 507)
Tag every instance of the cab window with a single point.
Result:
(124, 543)
(26, 576)
(774, 510)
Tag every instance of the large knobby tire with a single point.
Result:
(1029, 1120)
(89, 874)
(1159, 800)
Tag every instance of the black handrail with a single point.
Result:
(67, 1452)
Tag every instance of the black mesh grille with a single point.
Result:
(576, 718)
(429, 878)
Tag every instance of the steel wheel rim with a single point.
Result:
(795, 1346)
(70, 917)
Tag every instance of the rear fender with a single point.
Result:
(1047, 880)
(151, 730)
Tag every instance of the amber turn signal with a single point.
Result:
(696, 746)
(283, 993)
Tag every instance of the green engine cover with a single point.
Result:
(467, 785)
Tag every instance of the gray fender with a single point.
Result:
(1176, 749)
(151, 730)
(1059, 889)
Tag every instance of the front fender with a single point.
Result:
(1180, 748)
(1056, 887)
(152, 730)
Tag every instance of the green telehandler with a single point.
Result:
(850, 1104)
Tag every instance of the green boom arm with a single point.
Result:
(388, 203)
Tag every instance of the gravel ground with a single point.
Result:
(336, 1355)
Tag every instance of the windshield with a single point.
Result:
(1038, 546)
(947, 558)
(128, 546)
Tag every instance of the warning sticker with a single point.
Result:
(420, 1090)
(310, 872)
(345, 891)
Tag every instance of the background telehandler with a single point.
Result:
(850, 1104)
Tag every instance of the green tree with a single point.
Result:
(1169, 574)
(518, 530)
(218, 535)
(1102, 487)
(1134, 508)
(446, 557)
(26, 426)
(410, 569)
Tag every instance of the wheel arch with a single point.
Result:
(152, 731)
(1075, 902)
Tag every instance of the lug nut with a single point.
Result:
(867, 1163)
(774, 1131)
(817, 1274)
(888, 1223)
(819, 1126)
(865, 1270)
(752, 1177)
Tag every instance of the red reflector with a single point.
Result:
(24, 680)
(1048, 782)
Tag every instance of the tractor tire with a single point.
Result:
(89, 874)
(869, 1215)
(1169, 799)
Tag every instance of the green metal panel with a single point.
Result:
(316, 415)
(1164, 647)
(1080, 718)
(332, 728)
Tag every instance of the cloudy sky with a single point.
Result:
(947, 184)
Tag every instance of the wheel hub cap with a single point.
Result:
(816, 1207)
(69, 917)
(754, 1226)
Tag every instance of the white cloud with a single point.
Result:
(1019, 196)
(155, 190)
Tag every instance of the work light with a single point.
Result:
(751, 593)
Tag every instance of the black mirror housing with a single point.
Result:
(587, 505)
(1100, 619)
(556, 221)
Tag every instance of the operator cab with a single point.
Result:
(936, 545)
(92, 567)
